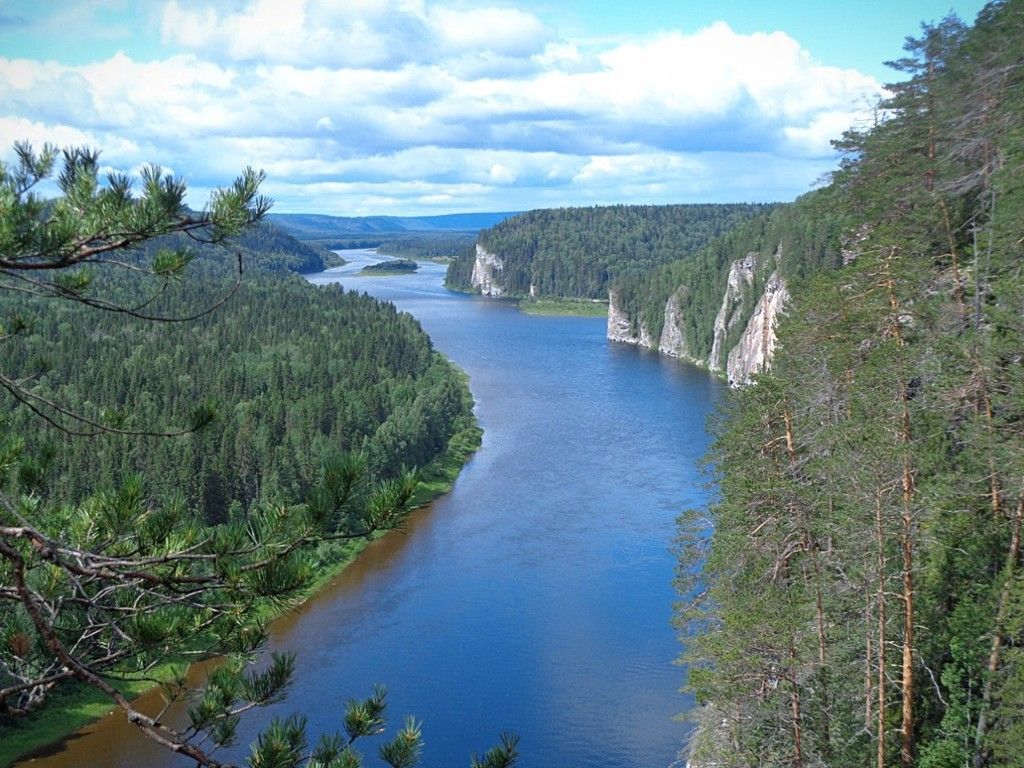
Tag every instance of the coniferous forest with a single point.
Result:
(192, 435)
(578, 252)
(182, 457)
(855, 596)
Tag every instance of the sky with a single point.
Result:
(417, 107)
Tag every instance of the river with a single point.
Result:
(537, 596)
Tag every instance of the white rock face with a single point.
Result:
(619, 326)
(619, 323)
(486, 270)
(756, 344)
(741, 278)
(754, 351)
(673, 340)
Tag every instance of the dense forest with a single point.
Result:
(188, 441)
(292, 371)
(578, 252)
(263, 247)
(855, 596)
(427, 245)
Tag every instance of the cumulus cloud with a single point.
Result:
(408, 103)
(383, 33)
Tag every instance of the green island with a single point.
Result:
(390, 267)
(562, 306)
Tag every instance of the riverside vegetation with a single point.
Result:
(855, 596)
(275, 425)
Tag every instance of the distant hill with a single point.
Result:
(310, 226)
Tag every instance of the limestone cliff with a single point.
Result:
(673, 338)
(739, 282)
(487, 269)
(620, 325)
(737, 358)
(753, 352)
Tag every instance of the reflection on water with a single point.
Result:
(537, 596)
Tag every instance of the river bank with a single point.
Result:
(73, 709)
(536, 597)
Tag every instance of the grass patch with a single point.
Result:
(563, 306)
(69, 709)
(76, 705)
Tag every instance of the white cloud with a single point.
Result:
(478, 104)
(14, 129)
(384, 33)
(504, 31)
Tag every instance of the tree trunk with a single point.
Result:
(811, 549)
(979, 757)
(907, 722)
(795, 713)
(868, 679)
(906, 536)
(880, 602)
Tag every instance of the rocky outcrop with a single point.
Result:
(487, 269)
(620, 325)
(753, 352)
(673, 338)
(713, 741)
(851, 243)
(738, 360)
(740, 280)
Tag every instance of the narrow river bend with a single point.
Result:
(536, 597)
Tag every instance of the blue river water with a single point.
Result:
(537, 596)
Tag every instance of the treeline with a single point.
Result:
(578, 252)
(406, 245)
(797, 239)
(264, 247)
(855, 597)
(427, 245)
(292, 372)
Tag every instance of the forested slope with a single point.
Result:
(578, 252)
(698, 307)
(294, 372)
(264, 247)
(187, 443)
(861, 599)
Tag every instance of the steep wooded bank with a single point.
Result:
(860, 599)
(718, 307)
(579, 252)
(293, 372)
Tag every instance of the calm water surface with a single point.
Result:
(537, 596)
